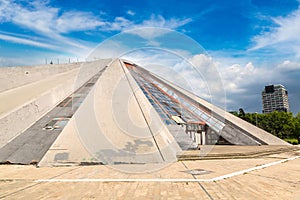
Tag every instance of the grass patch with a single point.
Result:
(293, 141)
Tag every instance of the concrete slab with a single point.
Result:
(280, 181)
(25, 104)
(30, 146)
(14, 77)
(120, 128)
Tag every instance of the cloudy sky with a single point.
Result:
(247, 43)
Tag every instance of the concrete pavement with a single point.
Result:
(175, 181)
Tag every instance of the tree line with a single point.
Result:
(281, 124)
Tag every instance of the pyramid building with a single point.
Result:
(118, 112)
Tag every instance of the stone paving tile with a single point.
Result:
(149, 190)
(256, 188)
(32, 172)
(221, 167)
(282, 172)
(9, 187)
(269, 183)
(281, 181)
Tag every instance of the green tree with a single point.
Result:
(297, 126)
(280, 124)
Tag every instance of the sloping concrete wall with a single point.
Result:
(13, 77)
(236, 130)
(115, 124)
(22, 106)
(164, 139)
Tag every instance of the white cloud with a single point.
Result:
(43, 18)
(236, 78)
(49, 24)
(144, 29)
(25, 41)
(157, 21)
(232, 85)
(130, 12)
(288, 65)
(5, 14)
(160, 21)
(77, 21)
(244, 83)
(284, 36)
(52, 24)
(119, 24)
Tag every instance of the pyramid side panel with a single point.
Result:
(24, 105)
(67, 149)
(126, 135)
(236, 130)
(108, 127)
(164, 139)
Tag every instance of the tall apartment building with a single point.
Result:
(275, 98)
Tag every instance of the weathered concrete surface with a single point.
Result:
(164, 139)
(32, 144)
(20, 107)
(236, 130)
(13, 77)
(280, 181)
(122, 126)
(210, 152)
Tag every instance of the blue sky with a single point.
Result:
(251, 43)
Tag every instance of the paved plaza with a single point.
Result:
(272, 176)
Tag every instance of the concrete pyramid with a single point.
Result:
(116, 123)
